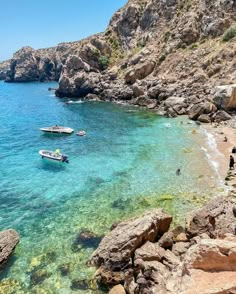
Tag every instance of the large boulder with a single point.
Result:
(137, 90)
(80, 85)
(139, 71)
(212, 255)
(145, 101)
(173, 101)
(204, 118)
(209, 267)
(216, 219)
(221, 115)
(115, 251)
(201, 108)
(76, 63)
(225, 96)
(149, 252)
(8, 241)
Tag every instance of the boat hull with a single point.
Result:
(57, 130)
(53, 157)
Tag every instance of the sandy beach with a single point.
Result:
(220, 150)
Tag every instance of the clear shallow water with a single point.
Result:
(124, 165)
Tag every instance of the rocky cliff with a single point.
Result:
(152, 50)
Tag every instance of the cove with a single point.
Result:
(125, 165)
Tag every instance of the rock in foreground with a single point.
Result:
(8, 241)
(142, 256)
(115, 251)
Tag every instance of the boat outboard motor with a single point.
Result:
(65, 159)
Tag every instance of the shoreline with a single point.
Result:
(217, 149)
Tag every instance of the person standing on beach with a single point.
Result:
(231, 162)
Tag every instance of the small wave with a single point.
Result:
(74, 102)
(212, 153)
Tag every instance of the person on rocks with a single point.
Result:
(225, 139)
(231, 162)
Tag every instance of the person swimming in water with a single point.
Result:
(178, 172)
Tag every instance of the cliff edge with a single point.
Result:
(167, 54)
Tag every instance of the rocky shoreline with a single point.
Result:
(145, 255)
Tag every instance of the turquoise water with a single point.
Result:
(124, 165)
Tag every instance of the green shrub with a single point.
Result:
(229, 34)
(103, 62)
(96, 53)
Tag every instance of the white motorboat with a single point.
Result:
(57, 130)
(54, 156)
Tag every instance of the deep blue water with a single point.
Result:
(124, 165)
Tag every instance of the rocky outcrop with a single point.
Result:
(114, 254)
(29, 65)
(8, 241)
(201, 108)
(4, 66)
(178, 260)
(216, 219)
(225, 97)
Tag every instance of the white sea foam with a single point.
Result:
(212, 152)
(74, 102)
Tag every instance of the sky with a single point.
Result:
(45, 23)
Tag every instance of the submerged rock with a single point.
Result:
(121, 204)
(78, 284)
(64, 269)
(85, 239)
(38, 277)
(8, 241)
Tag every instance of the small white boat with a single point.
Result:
(57, 130)
(168, 125)
(81, 133)
(54, 156)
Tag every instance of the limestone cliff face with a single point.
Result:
(153, 49)
(4, 66)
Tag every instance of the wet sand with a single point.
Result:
(223, 149)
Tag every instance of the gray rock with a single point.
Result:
(221, 115)
(174, 101)
(204, 118)
(201, 108)
(8, 241)
(180, 248)
(137, 90)
(149, 252)
(139, 72)
(145, 101)
(225, 97)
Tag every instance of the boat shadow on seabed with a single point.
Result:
(52, 166)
